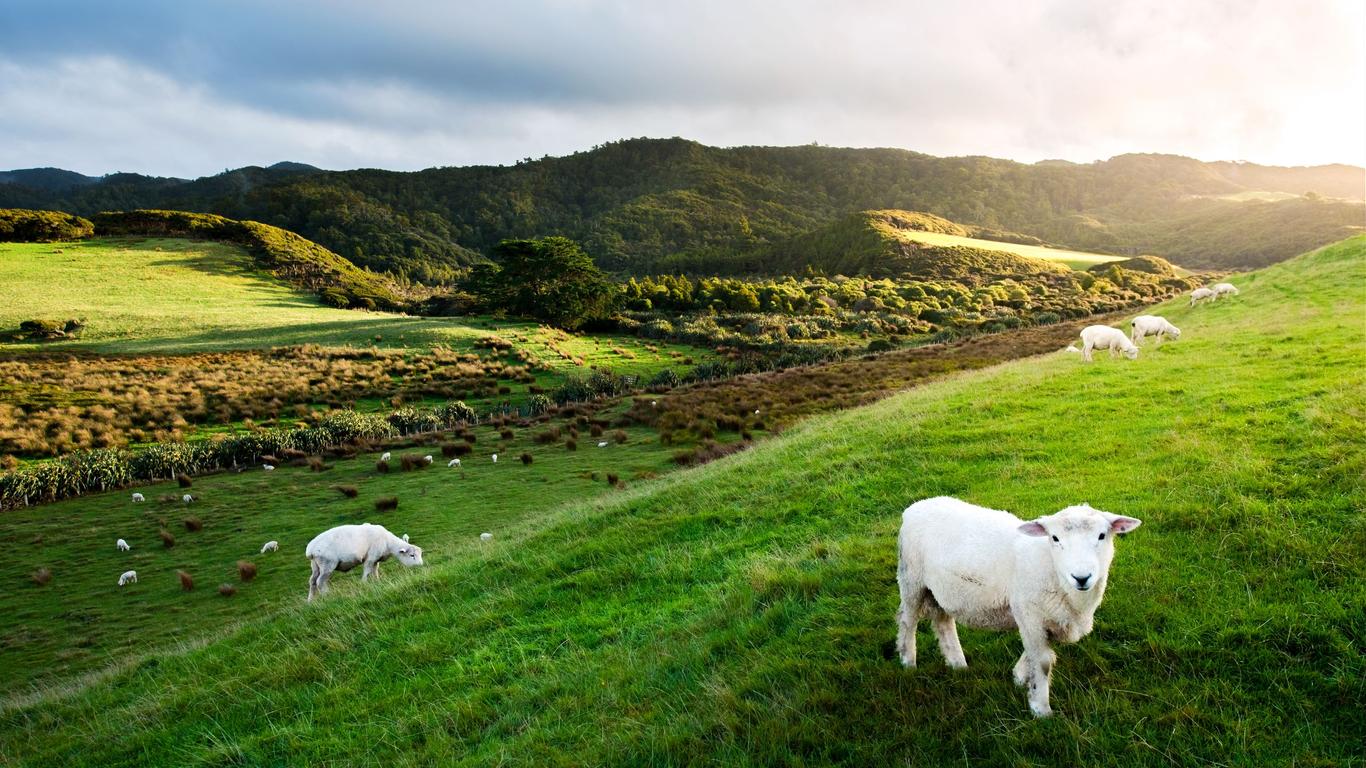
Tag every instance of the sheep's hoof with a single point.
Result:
(1040, 713)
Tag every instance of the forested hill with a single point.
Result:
(640, 204)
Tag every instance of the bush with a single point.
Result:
(349, 491)
(666, 378)
(246, 571)
(538, 404)
(167, 538)
(386, 504)
(20, 225)
(455, 413)
(526, 458)
(193, 524)
(227, 590)
(41, 577)
(186, 581)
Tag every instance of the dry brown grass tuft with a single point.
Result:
(227, 590)
(167, 538)
(246, 571)
(349, 491)
(186, 581)
(41, 577)
(386, 504)
(193, 524)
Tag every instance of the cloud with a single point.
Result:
(190, 88)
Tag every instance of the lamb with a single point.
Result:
(427, 459)
(385, 456)
(346, 546)
(991, 570)
(128, 577)
(453, 463)
(187, 498)
(268, 467)
(486, 536)
(1104, 337)
(1152, 325)
(1202, 294)
(602, 444)
(495, 458)
(138, 498)
(270, 546)
(122, 545)
(1223, 289)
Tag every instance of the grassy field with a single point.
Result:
(1073, 259)
(741, 613)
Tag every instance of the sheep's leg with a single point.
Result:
(1086, 352)
(946, 630)
(324, 575)
(908, 615)
(313, 579)
(1039, 660)
(1021, 670)
(367, 571)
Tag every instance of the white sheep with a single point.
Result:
(187, 498)
(486, 536)
(989, 569)
(122, 545)
(270, 546)
(1152, 325)
(602, 444)
(427, 459)
(1202, 294)
(1104, 337)
(385, 456)
(268, 467)
(453, 463)
(495, 458)
(138, 498)
(128, 577)
(1224, 289)
(346, 546)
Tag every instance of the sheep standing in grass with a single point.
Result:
(122, 545)
(1152, 325)
(991, 570)
(1202, 294)
(270, 546)
(346, 546)
(486, 536)
(138, 498)
(427, 459)
(128, 577)
(1104, 337)
(187, 498)
(453, 463)
(495, 458)
(1223, 289)
(268, 467)
(386, 456)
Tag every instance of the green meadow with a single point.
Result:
(741, 613)
(1073, 259)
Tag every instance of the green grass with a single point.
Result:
(741, 613)
(1073, 259)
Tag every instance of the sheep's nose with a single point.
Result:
(1083, 582)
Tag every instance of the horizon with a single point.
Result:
(185, 90)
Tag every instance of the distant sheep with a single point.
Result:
(453, 463)
(1104, 337)
(385, 456)
(1224, 289)
(495, 458)
(991, 570)
(268, 467)
(122, 545)
(138, 498)
(187, 498)
(346, 546)
(1152, 325)
(427, 458)
(1202, 295)
(270, 546)
(602, 444)
(486, 536)
(128, 577)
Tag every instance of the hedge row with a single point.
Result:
(20, 225)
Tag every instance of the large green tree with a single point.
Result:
(548, 278)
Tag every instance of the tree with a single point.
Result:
(549, 278)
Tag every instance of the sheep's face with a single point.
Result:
(1173, 332)
(410, 555)
(1131, 353)
(1081, 541)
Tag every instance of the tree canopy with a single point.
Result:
(547, 278)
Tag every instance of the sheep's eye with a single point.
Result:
(1055, 539)
(1102, 537)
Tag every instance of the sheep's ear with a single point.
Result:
(1122, 524)
(1033, 528)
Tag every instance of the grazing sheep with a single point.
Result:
(346, 546)
(122, 545)
(1104, 337)
(268, 467)
(1224, 289)
(427, 459)
(654, 403)
(602, 444)
(1202, 294)
(385, 456)
(453, 463)
(495, 458)
(187, 498)
(128, 577)
(991, 570)
(138, 498)
(270, 546)
(1152, 325)
(486, 536)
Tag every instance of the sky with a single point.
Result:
(191, 88)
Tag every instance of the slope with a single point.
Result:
(738, 613)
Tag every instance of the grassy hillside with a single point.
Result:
(893, 243)
(639, 204)
(741, 613)
(1073, 259)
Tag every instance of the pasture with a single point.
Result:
(1074, 259)
(741, 613)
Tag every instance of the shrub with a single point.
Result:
(526, 458)
(184, 480)
(19, 225)
(612, 478)
(41, 577)
(316, 464)
(619, 436)
(448, 450)
(666, 378)
(349, 491)
(246, 571)
(386, 504)
(193, 524)
(595, 430)
(411, 461)
(463, 449)
(382, 467)
(455, 413)
(506, 434)
(550, 435)
(227, 590)
(538, 404)
(571, 445)
(167, 538)
(186, 581)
